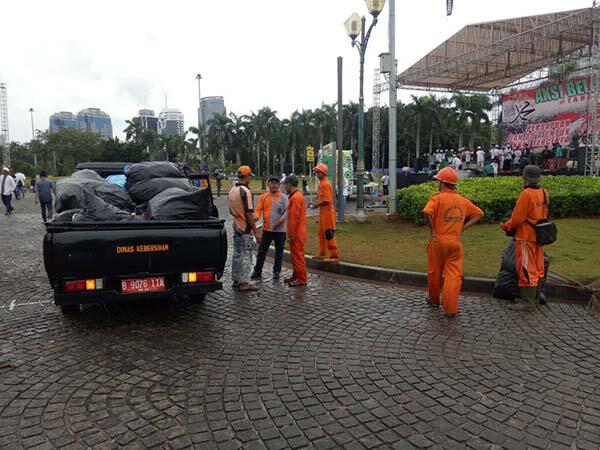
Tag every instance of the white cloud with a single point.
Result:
(121, 56)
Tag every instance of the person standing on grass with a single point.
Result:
(324, 202)
(531, 207)
(447, 215)
(44, 189)
(385, 182)
(296, 232)
(273, 207)
(7, 187)
(242, 212)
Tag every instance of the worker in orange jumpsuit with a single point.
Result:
(296, 231)
(448, 215)
(326, 216)
(531, 206)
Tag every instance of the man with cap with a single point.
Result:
(531, 207)
(326, 216)
(273, 207)
(7, 187)
(447, 215)
(296, 231)
(242, 211)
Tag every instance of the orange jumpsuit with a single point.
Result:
(531, 207)
(326, 219)
(296, 231)
(448, 211)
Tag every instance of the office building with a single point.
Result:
(170, 122)
(148, 119)
(211, 106)
(95, 120)
(62, 119)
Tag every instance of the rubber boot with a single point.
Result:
(528, 300)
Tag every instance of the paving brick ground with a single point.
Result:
(341, 364)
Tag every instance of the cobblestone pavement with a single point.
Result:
(341, 364)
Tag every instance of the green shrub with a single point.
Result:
(569, 196)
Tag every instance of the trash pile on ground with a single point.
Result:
(148, 191)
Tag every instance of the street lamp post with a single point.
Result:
(33, 137)
(356, 25)
(200, 122)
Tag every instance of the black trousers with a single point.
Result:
(267, 238)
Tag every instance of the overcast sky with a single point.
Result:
(123, 55)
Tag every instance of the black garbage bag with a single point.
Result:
(97, 210)
(113, 195)
(87, 174)
(506, 285)
(144, 191)
(69, 194)
(147, 170)
(66, 216)
(177, 204)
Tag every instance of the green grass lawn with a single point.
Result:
(400, 245)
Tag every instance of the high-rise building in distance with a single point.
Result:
(95, 120)
(148, 119)
(211, 106)
(170, 122)
(62, 119)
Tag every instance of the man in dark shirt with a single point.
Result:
(43, 195)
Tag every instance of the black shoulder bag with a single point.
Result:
(546, 232)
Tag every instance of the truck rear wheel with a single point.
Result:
(197, 298)
(69, 309)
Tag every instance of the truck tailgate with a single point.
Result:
(134, 249)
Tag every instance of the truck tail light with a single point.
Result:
(197, 277)
(92, 284)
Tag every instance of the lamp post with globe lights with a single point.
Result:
(355, 26)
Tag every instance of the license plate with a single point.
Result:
(135, 286)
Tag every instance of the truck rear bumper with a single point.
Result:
(112, 296)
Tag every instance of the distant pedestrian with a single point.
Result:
(7, 187)
(44, 189)
(385, 183)
(20, 189)
(219, 179)
(273, 207)
(304, 185)
(242, 212)
(296, 232)
(480, 154)
(327, 241)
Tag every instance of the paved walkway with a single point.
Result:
(340, 364)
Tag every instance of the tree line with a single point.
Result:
(269, 143)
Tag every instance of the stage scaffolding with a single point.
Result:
(495, 58)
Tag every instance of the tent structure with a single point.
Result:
(486, 56)
(496, 57)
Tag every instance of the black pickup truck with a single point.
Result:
(101, 262)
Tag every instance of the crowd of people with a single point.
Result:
(282, 210)
(16, 185)
(507, 159)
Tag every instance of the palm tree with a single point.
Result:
(267, 122)
(479, 105)
(219, 131)
(351, 125)
(419, 109)
(462, 109)
(236, 131)
(134, 131)
(295, 135)
(324, 119)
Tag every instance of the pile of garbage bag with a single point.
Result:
(148, 191)
(507, 282)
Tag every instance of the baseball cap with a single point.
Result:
(291, 179)
(274, 178)
(245, 171)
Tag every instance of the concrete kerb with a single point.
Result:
(403, 277)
